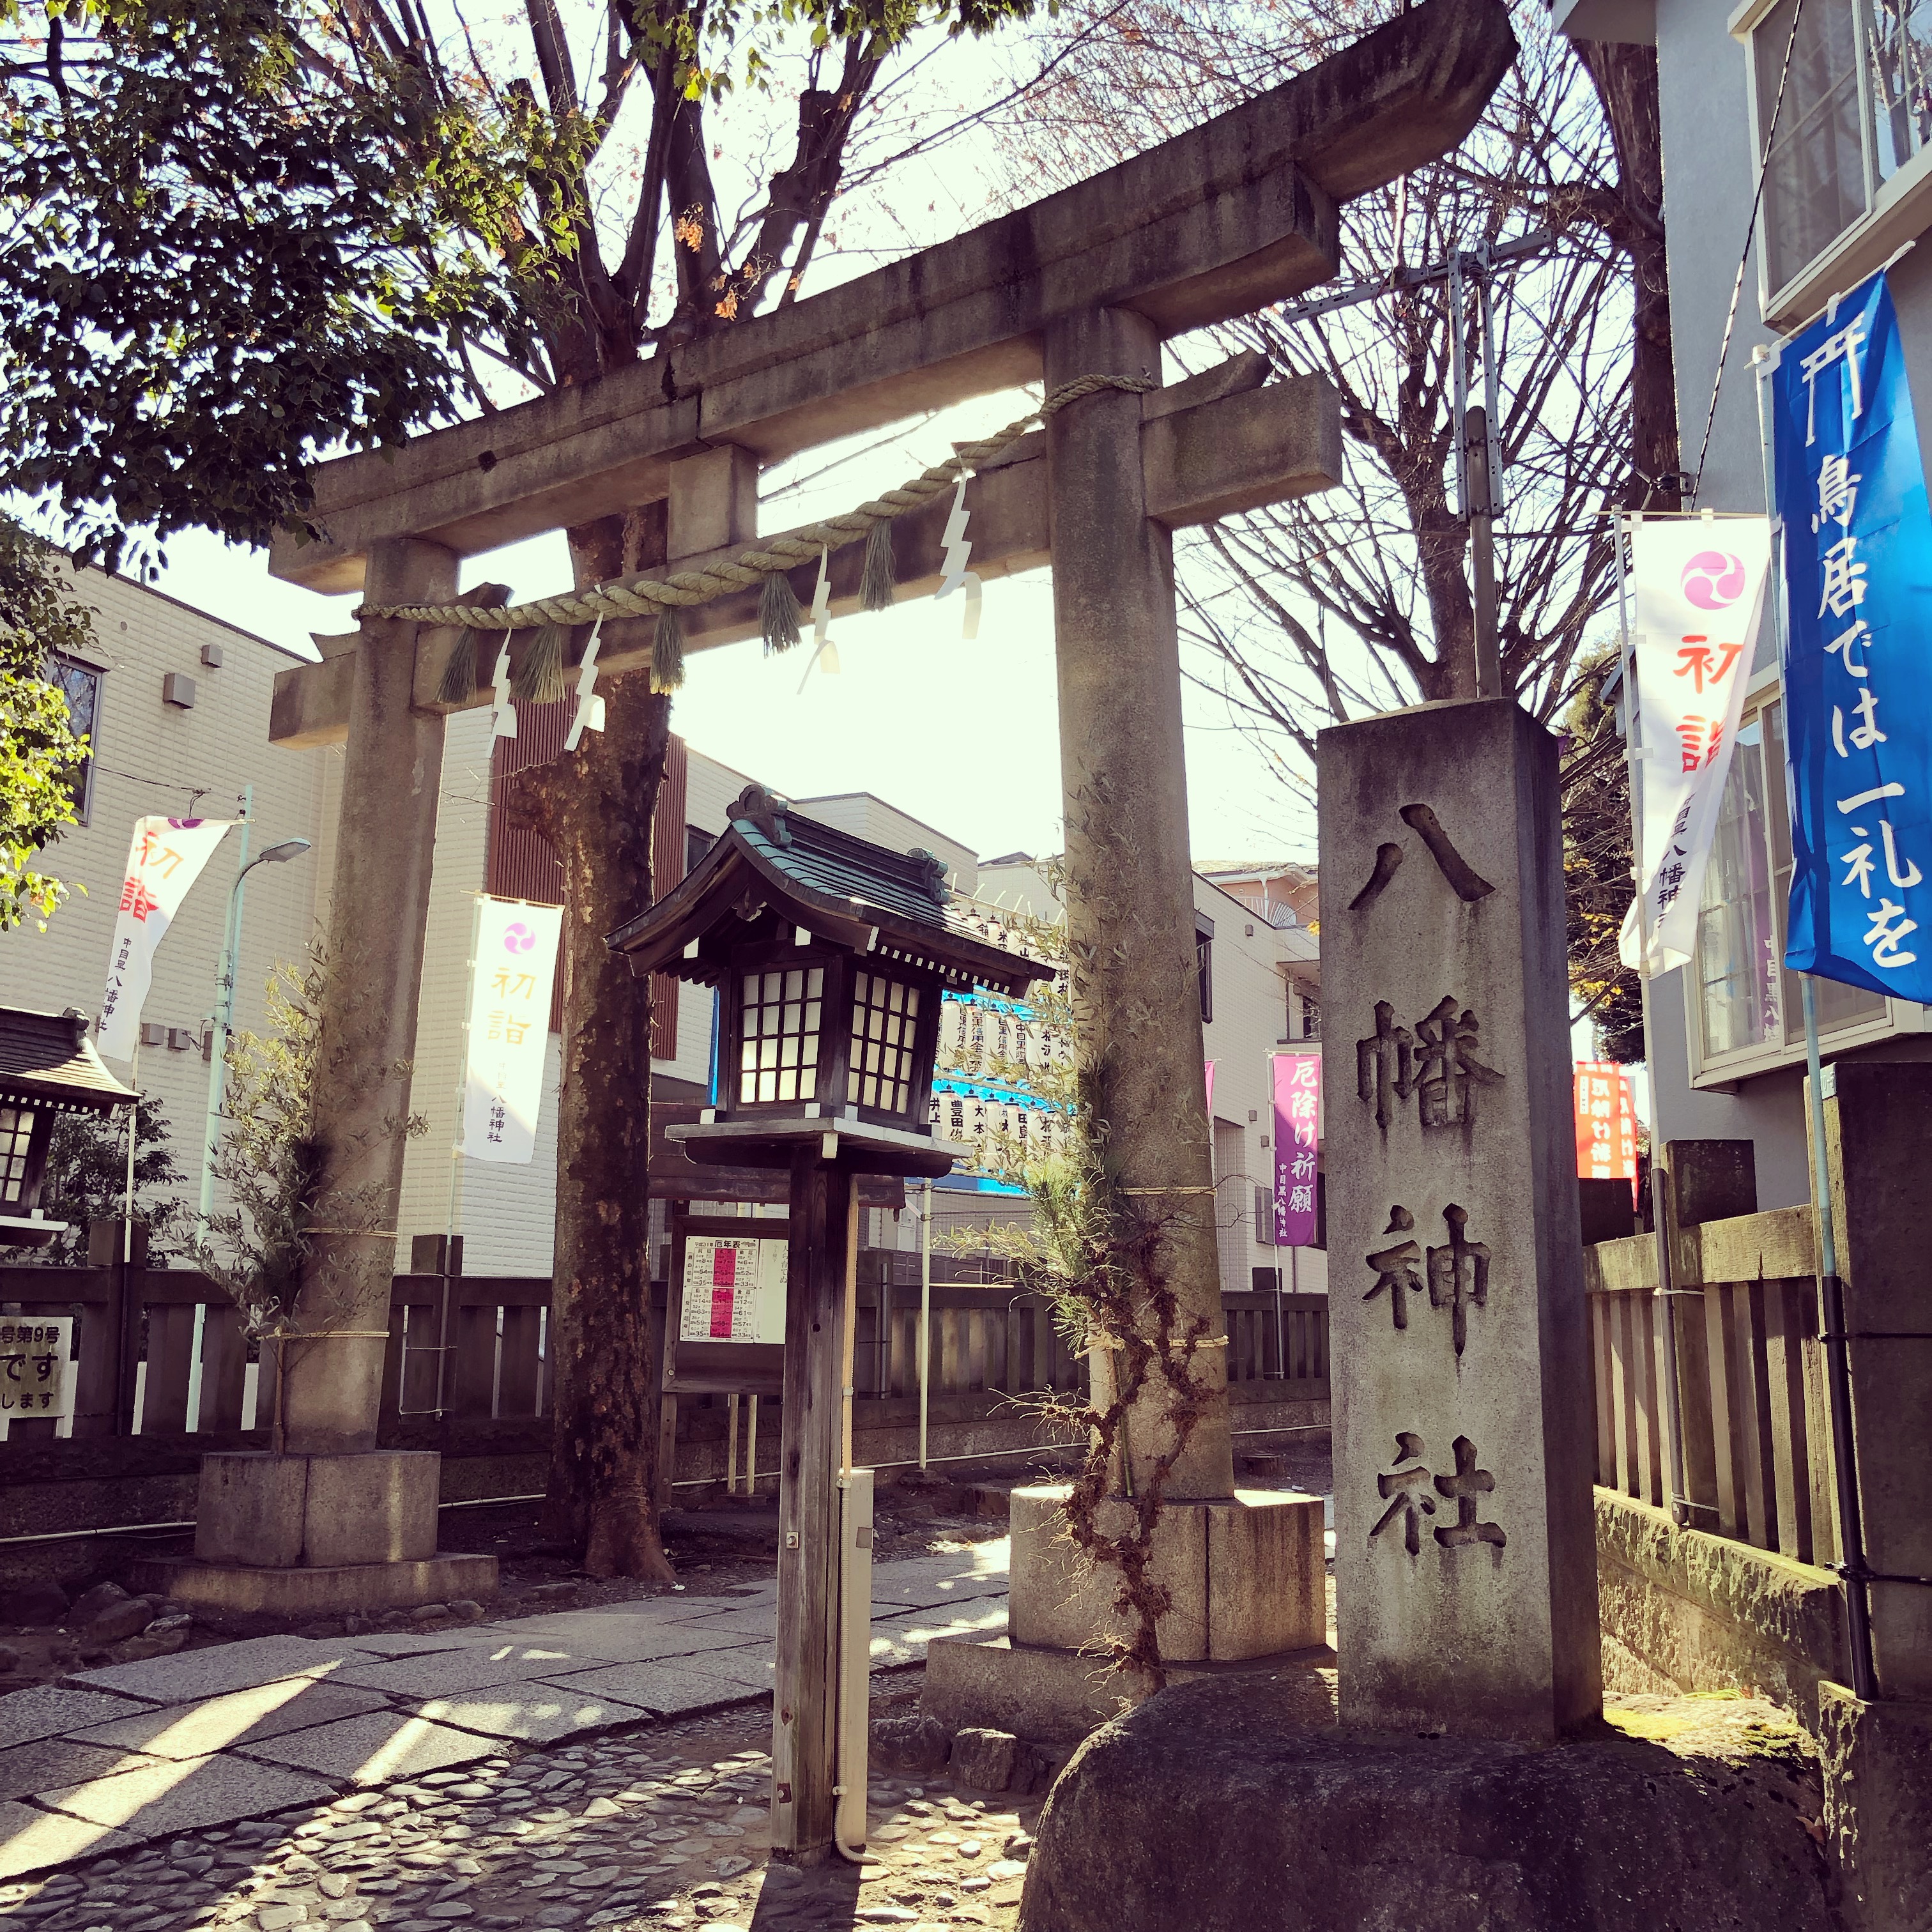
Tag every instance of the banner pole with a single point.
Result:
(456, 1159)
(223, 1021)
(1838, 1377)
(1659, 1187)
(925, 1312)
(133, 1116)
(1851, 1569)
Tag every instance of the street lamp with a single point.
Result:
(223, 1017)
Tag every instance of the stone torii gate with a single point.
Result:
(1224, 220)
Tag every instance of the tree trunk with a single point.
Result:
(595, 806)
(1625, 78)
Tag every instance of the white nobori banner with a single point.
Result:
(510, 981)
(164, 860)
(1698, 598)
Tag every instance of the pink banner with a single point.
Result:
(1297, 1128)
(1211, 1065)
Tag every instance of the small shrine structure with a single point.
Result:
(48, 1067)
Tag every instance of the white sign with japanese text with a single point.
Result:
(510, 982)
(165, 859)
(1699, 597)
(734, 1291)
(38, 1375)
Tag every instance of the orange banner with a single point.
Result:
(1605, 1123)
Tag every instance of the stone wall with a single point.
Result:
(1685, 1611)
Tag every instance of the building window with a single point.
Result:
(697, 843)
(1857, 108)
(1899, 38)
(80, 685)
(885, 1018)
(1748, 1003)
(1738, 947)
(778, 1034)
(1311, 1018)
(1203, 963)
(16, 1137)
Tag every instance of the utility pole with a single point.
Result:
(221, 1022)
(1480, 511)
(1478, 459)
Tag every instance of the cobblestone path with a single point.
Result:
(551, 1771)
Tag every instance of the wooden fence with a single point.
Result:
(137, 1327)
(993, 1336)
(1752, 1392)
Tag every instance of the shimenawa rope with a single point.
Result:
(642, 596)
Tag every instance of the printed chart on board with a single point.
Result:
(734, 1290)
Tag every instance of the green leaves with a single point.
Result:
(39, 618)
(218, 255)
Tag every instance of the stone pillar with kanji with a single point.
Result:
(1464, 1557)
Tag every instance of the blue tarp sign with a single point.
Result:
(1857, 540)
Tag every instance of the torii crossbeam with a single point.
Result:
(1235, 214)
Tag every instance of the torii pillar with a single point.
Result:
(1233, 215)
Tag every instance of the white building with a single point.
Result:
(176, 704)
(1260, 989)
(1849, 181)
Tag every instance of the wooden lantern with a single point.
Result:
(830, 955)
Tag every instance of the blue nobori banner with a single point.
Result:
(1858, 674)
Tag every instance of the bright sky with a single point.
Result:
(964, 737)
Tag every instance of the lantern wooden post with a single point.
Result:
(804, 1730)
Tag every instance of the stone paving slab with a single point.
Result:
(190, 1675)
(760, 1621)
(753, 1666)
(419, 1643)
(158, 1799)
(598, 1636)
(375, 1750)
(672, 1691)
(49, 1711)
(27, 1770)
(448, 1673)
(898, 1640)
(536, 1713)
(242, 1717)
(31, 1841)
(929, 1580)
(207, 1738)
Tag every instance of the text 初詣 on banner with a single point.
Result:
(165, 859)
(509, 1028)
(1857, 541)
(1698, 595)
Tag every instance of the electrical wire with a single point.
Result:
(194, 792)
(1744, 261)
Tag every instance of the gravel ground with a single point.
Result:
(664, 1828)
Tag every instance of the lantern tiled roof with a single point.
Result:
(772, 857)
(47, 1059)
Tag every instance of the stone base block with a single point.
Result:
(1878, 1807)
(1214, 1806)
(317, 1512)
(1246, 1576)
(317, 1590)
(1058, 1696)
